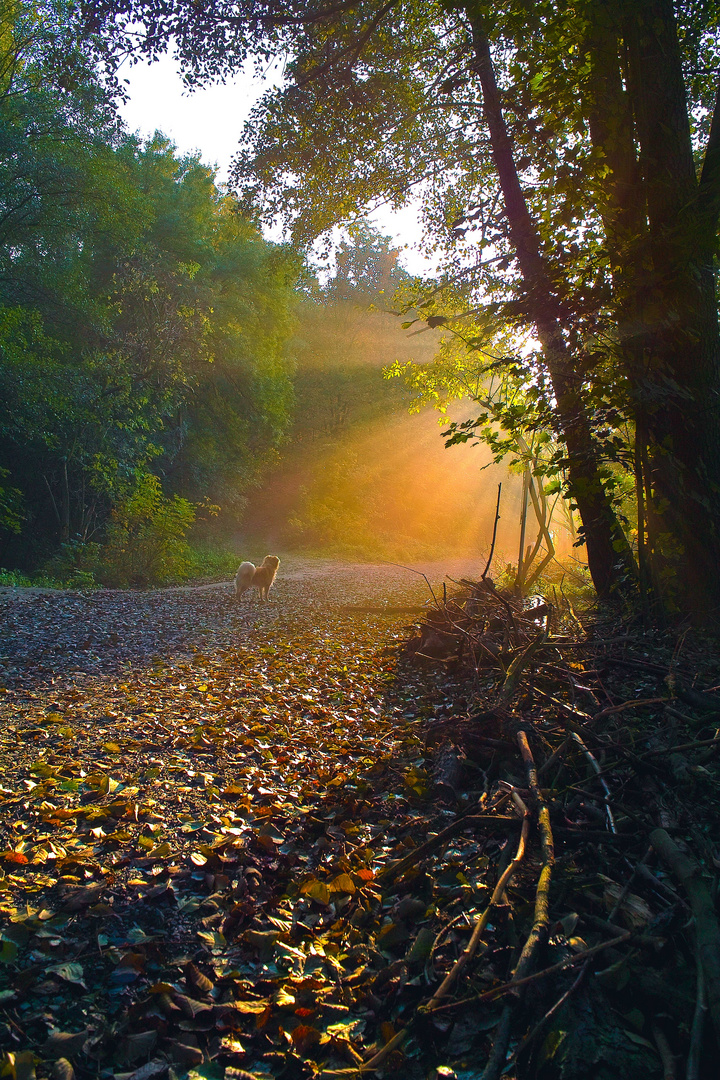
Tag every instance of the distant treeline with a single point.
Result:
(149, 336)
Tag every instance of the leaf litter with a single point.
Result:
(288, 845)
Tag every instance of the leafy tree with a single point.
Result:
(569, 160)
(143, 321)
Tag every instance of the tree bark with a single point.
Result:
(678, 331)
(609, 556)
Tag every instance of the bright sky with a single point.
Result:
(210, 121)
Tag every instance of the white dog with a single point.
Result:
(260, 578)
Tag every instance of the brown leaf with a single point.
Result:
(305, 1037)
(136, 1046)
(25, 1065)
(233, 792)
(186, 1055)
(14, 857)
(62, 1070)
(196, 980)
(190, 1007)
(343, 883)
(82, 898)
(62, 1044)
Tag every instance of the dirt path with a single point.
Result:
(48, 636)
(182, 780)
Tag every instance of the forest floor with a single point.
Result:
(257, 839)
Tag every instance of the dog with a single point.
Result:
(261, 578)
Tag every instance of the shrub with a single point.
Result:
(146, 538)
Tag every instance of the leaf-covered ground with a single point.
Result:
(174, 766)
(261, 840)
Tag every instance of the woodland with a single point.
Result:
(445, 806)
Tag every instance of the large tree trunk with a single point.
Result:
(609, 556)
(678, 331)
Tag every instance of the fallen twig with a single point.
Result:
(554, 969)
(583, 717)
(611, 709)
(481, 922)
(517, 667)
(666, 1054)
(692, 1071)
(417, 854)
(598, 772)
(494, 535)
(545, 1020)
(707, 930)
(541, 920)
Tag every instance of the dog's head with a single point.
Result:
(271, 562)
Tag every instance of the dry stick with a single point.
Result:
(410, 570)
(698, 1026)
(490, 587)
(549, 762)
(494, 536)
(543, 1021)
(481, 922)
(517, 667)
(683, 746)
(642, 822)
(666, 1054)
(393, 869)
(583, 717)
(374, 1062)
(629, 705)
(598, 772)
(554, 969)
(624, 892)
(696, 745)
(541, 922)
(707, 930)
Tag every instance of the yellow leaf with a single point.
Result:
(161, 851)
(316, 890)
(343, 883)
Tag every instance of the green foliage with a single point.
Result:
(11, 508)
(211, 561)
(146, 538)
(16, 579)
(144, 323)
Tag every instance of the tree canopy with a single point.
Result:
(567, 157)
(144, 322)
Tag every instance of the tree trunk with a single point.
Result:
(65, 504)
(679, 336)
(609, 556)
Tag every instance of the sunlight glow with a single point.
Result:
(209, 121)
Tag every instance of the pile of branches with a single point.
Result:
(481, 625)
(604, 745)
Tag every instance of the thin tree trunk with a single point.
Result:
(609, 556)
(65, 504)
(520, 576)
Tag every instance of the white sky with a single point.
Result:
(210, 121)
